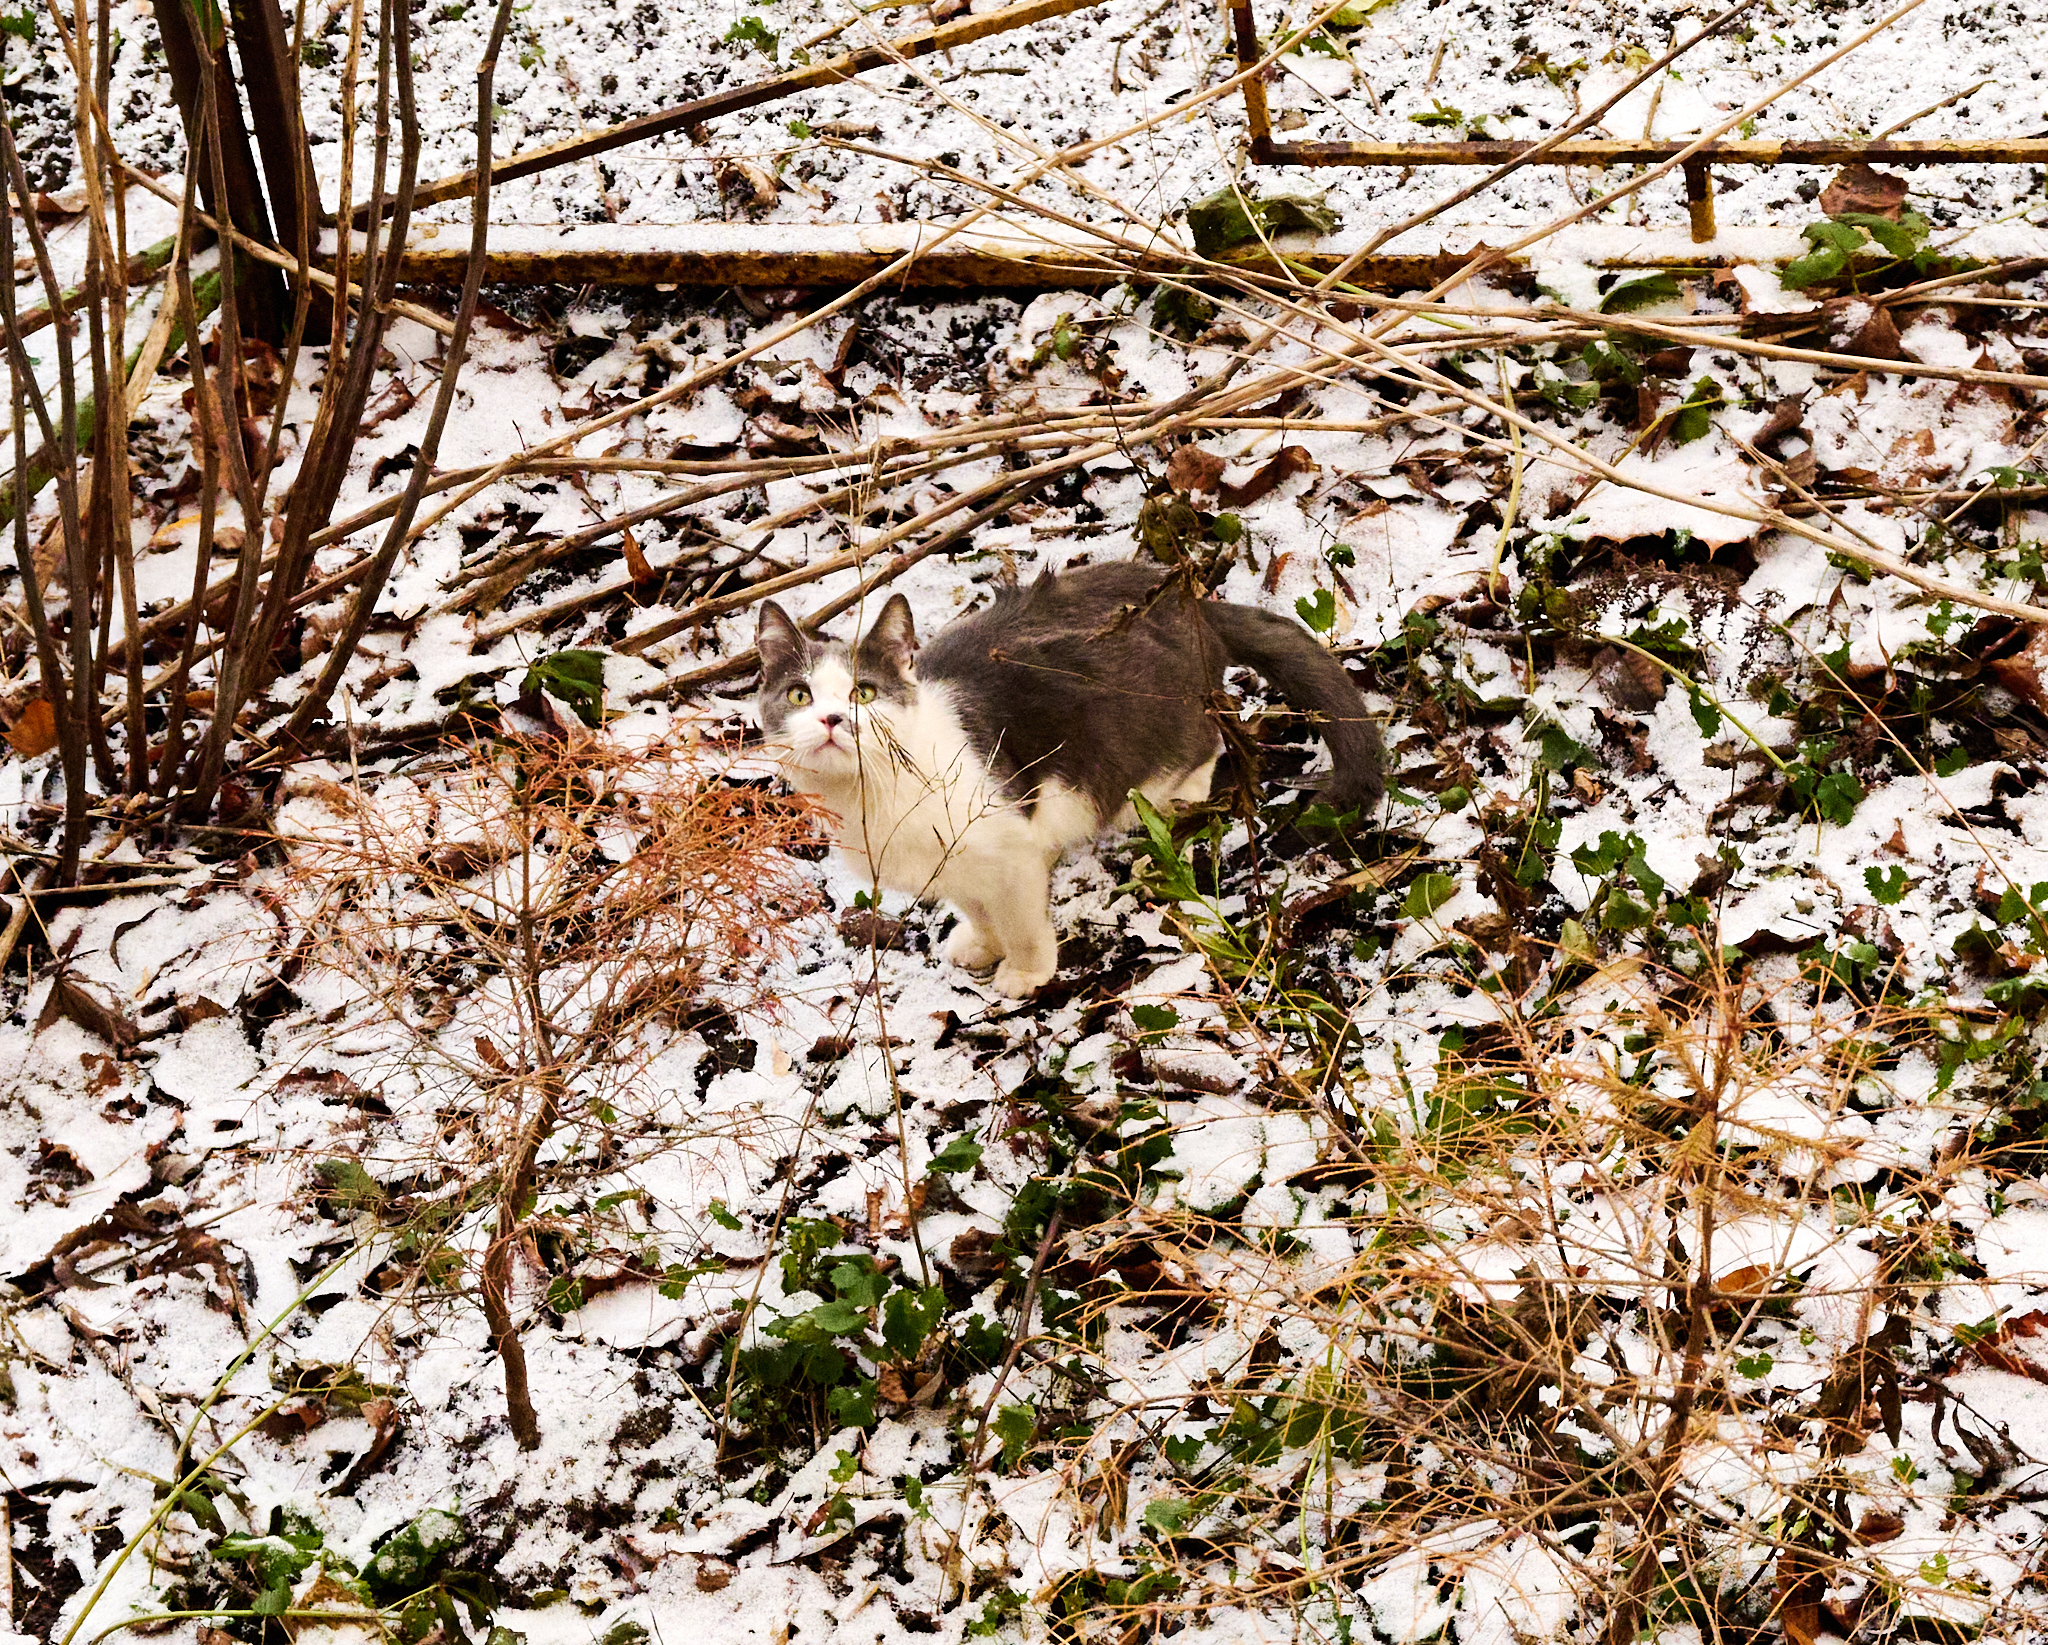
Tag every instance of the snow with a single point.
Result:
(1310, 1220)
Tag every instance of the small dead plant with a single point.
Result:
(512, 938)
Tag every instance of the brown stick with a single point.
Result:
(72, 706)
(270, 78)
(314, 703)
(228, 178)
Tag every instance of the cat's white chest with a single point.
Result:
(921, 802)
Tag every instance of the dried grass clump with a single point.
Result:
(1609, 1325)
(513, 937)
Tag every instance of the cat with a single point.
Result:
(965, 769)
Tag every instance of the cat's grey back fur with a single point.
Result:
(1101, 678)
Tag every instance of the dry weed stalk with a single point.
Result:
(1612, 1328)
(518, 930)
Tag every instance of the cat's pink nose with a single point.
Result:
(831, 722)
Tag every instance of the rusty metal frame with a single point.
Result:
(1579, 151)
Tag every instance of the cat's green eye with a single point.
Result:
(799, 695)
(864, 693)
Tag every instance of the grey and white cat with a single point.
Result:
(965, 769)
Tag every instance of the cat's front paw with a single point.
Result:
(1018, 983)
(969, 949)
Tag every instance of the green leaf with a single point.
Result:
(1442, 114)
(1838, 235)
(1755, 1366)
(799, 129)
(1154, 1019)
(838, 1319)
(402, 1562)
(1815, 268)
(346, 1186)
(1693, 419)
(572, 677)
(1886, 887)
(1182, 311)
(1607, 363)
(22, 25)
(1233, 217)
(959, 1155)
(675, 1281)
(1902, 238)
(1837, 796)
(1705, 714)
(751, 31)
(1948, 764)
(1226, 529)
(1640, 292)
(908, 1317)
(1429, 893)
(1983, 1331)
(723, 1217)
(1015, 1426)
(1318, 610)
(1168, 1515)
(1562, 394)
(853, 1407)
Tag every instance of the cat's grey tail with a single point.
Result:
(1313, 682)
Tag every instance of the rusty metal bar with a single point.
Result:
(1244, 39)
(1751, 151)
(682, 116)
(1699, 199)
(768, 255)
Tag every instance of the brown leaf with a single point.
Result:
(636, 561)
(2019, 1347)
(1878, 1527)
(293, 1421)
(382, 1415)
(1743, 1284)
(2025, 675)
(867, 928)
(75, 1003)
(1856, 326)
(973, 1253)
(36, 731)
(1631, 681)
(57, 1162)
(748, 179)
(889, 1384)
(1191, 469)
(1285, 464)
(829, 1048)
(1858, 187)
(712, 1574)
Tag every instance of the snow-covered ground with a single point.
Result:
(1608, 1176)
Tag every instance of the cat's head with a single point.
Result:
(816, 694)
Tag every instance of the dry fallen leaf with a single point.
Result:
(1859, 187)
(636, 561)
(1288, 462)
(1192, 469)
(748, 178)
(36, 731)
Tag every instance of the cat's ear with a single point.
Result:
(780, 641)
(894, 634)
